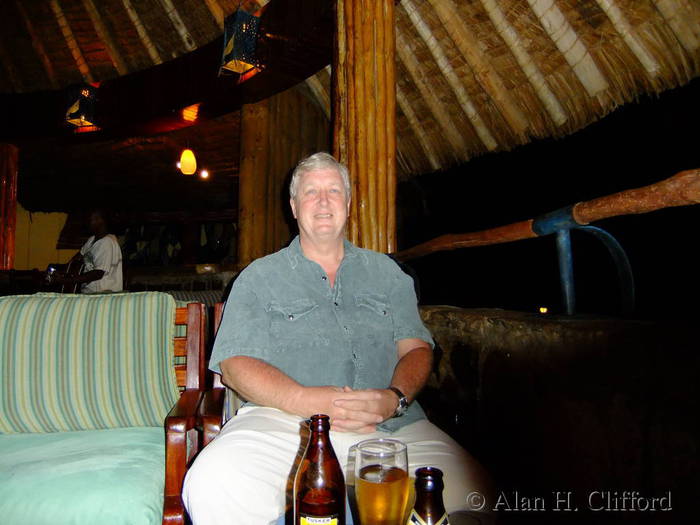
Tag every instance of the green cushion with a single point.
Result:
(105, 477)
(82, 362)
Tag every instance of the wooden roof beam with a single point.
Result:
(319, 91)
(179, 25)
(71, 41)
(216, 11)
(687, 34)
(483, 70)
(510, 36)
(143, 34)
(106, 37)
(38, 45)
(627, 32)
(570, 46)
(453, 80)
(417, 129)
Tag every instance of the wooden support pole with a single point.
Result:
(252, 181)
(8, 204)
(364, 109)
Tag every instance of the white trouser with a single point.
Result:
(245, 476)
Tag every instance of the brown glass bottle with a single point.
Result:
(319, 486)
(429, 508)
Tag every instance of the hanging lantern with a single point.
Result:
(240, 37)
(81, 111)
(188, 164)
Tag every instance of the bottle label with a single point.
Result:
(315, 520)
(415, 519)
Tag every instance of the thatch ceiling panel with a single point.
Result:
(49, 39)
(120, 28)
(159, 26)
(474, 76)
(93, 48)
(198, 20)
(23, 65)
(9, 77)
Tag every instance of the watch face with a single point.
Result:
(403, 407)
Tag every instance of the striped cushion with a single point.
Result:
(82, 362)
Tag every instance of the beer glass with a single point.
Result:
(381, 481)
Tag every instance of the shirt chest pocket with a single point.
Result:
(373, 310)
(293, 321)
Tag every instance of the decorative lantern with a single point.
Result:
(240, 37)
(188, 164)
(81, 111)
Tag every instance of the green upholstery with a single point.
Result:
(103, 477)
(81, 362)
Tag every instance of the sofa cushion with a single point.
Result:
(83, 362)
(108, 477)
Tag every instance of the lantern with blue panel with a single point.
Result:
(81, 108)
(240, 37)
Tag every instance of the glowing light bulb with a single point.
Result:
(188, 164)
(544, 309)
(204, 174)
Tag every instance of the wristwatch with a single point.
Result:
(403, 402)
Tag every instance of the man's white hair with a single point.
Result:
(315, 162)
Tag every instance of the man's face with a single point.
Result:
(321, 206)
(96, 223)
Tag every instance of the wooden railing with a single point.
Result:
(682, 189)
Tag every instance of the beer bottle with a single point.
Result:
(429, 508)
(319, 485)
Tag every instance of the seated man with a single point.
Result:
(101, 259)
(321, 326)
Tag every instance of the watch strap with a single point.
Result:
(403, 402)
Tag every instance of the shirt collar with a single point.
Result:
(294, 253)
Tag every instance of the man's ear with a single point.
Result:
(294, 207)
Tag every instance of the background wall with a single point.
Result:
(36, 237)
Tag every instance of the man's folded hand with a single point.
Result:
(362, 410)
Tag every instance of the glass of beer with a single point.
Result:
(381, 481)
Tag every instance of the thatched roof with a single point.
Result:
(474, 76)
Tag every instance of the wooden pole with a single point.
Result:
(364, 117)
(8, 205)
(252, 181)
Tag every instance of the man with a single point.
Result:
(101, 258)
(319, 327)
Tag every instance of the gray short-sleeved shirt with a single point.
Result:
(282, 310)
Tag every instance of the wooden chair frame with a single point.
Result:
(210, 416)
(182, 420)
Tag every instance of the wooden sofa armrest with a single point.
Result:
(211, 414)
(181, 419)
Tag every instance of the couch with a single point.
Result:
(87, 385)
